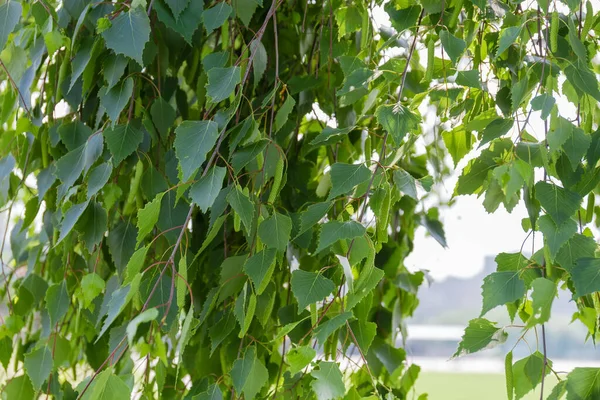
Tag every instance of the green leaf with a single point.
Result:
(222, 81)
(70, 219)
(543, 102)
(177, 6)
(121, 244)
(98, 178)
(479, 335)
(57, 302)
(579, 246)
(242, 205)
(458, 142)
(149, 315)
(74, 134)
(259, 269)
(205, 191)
(212, 393)
(123, 140)
(249, 374)
(556, 236)
(70, 166)
(275, 231)
(333, 231)
(193, 141)
(576, 146)
(107, 386)
(135, 264)
(453, 46)
(345, 177)
(310, 287)
(497, 128)
(500, 288)
(163, 116)
(543, 294)
(283, 113)
(397, 121)
(19, 388)
(527, 373)
(10, 14)
(91, 286)
(147, 218)
(328, 383)
(247, 154)
(92, 225)
(507, 37)
(583, 384)
(510, 385)
(405, 183)
(469, 79)
(349, 20)
(560, 131)
(221, 330)
(312, 215)
(331, 135)
(299, 357)
(118, 300)
(259, 63)
(559, 203)
(114, 67)
(129, 33)
(188, 20)
(38, 365)
(216, 16)
(583, 79)
(115, 99)
(326, 329)
(586, 276)
(245, 9)
(364, 332)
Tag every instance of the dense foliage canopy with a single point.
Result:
(212, 199)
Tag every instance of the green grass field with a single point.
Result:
(466, 386)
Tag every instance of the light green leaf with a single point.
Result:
(500, 288)
(19, 388)
(583, 384)
(115, 99)
(57, 302)
(249, 374)
(242, 205)
(310, 287)
(527, 373)
(497, 128)
(135, 264)
(453, 46)
(275, 231)
(556, 235)
(147, 217)
(458, 142)
(205, 191)
(149, 315)
(222, 81)
(586, 276)
(216, 16)
(38, 365)
(479, 335)
(193, 141)
(10, 14)
(364, 332)
(91, 286)
(299, 357)
(560, 131)
(117, 303)
(328, 383)
(543, 294)
(349, 20)
(333, 231)
(129, 33)
(107, 386)
(259, 269)
(345, 177)
(507, 37)
(397, 120)
(558, 202)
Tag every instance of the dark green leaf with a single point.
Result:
(129, 33)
